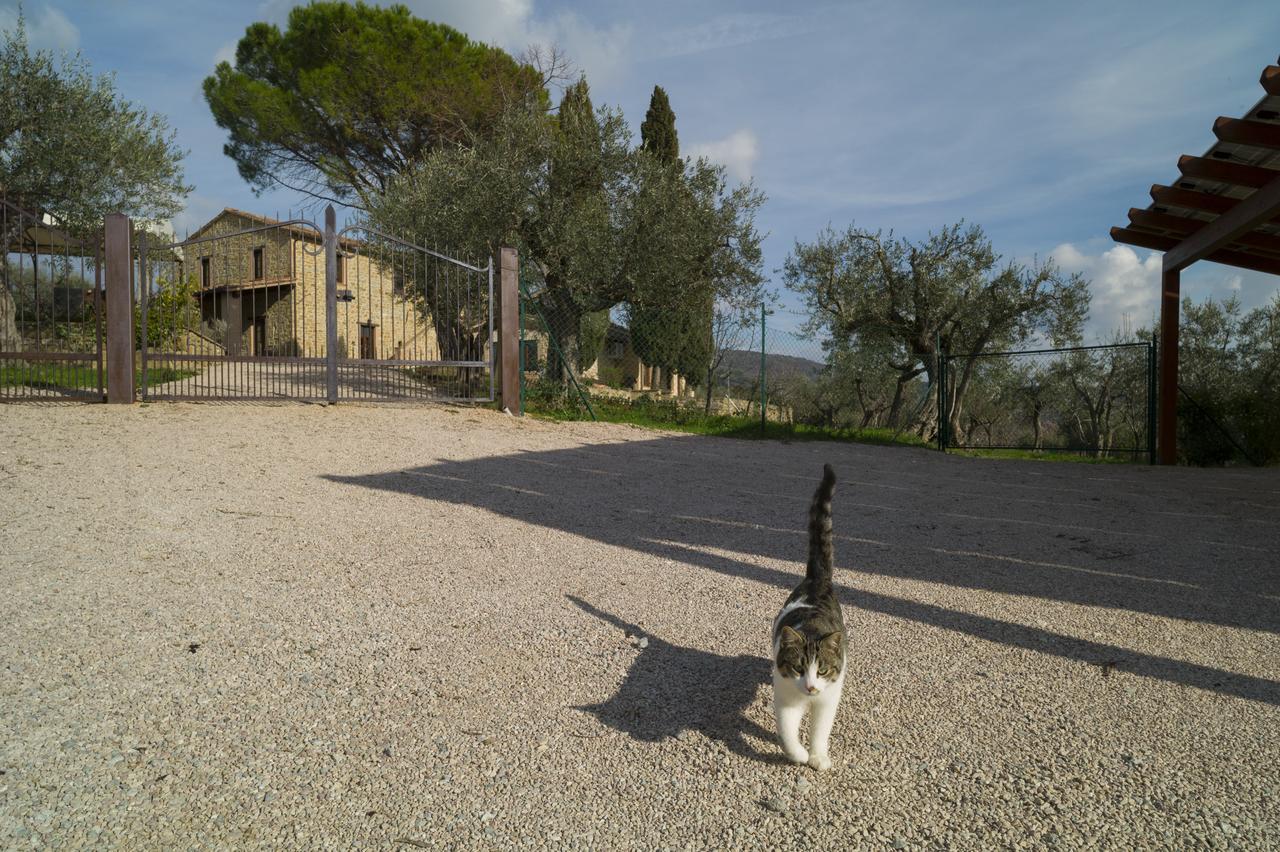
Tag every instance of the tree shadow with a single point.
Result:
(670, 689)
(1135, 543)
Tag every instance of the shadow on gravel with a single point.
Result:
(670, 689)
(1140, 542)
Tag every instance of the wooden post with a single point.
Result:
(1167, 425)
(509, 330)
(119, 309)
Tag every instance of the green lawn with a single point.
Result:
(667, 414)
(549, 402)
(74, 374)
(1079, 456)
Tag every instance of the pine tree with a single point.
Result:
(658, 131)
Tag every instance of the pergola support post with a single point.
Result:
(1167, 418)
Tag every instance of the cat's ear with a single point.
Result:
(832, 641)
(790, 636)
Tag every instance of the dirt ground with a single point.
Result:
(395, 627)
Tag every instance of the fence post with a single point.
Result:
(120, 341)
(520, 343)
(508, 330)
(331, 303)
(144, 304)
(943, 419)
(1151, 397)
(764, 396)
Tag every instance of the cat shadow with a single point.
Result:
(670, 689)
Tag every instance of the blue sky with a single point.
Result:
(1043, 122)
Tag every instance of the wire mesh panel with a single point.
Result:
(237, 311)
(51, 311)
(1095, 399)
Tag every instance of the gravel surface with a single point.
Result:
(389, 627)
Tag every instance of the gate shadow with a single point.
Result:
(691, 500)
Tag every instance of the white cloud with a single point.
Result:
(1124, 286)
(515, 26)
(602, 54)
(505, 23)
(47, 27)
(737, 152)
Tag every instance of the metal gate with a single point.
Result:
(51, 311)
(254, 308)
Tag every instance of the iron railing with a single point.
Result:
(51, 310)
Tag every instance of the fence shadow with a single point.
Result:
(670, 689)
(695, 500)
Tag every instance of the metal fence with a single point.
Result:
(254, 308)
(764, 371)
(1098, 400)
(51, 311)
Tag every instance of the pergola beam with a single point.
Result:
(1159, 242)
(1184, 227)
(1236, 174)
(1270, 79)
(1192, 200)
(1242, 131)
(1260, 207)
(1169, 196)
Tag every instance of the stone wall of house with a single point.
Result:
(400, 331)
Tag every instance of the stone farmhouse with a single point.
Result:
(263, 294)
(618, 361)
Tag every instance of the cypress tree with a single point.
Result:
(658, 131)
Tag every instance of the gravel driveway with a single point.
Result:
(395, 627)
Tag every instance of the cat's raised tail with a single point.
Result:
(818, 571)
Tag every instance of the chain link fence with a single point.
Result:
(1098, 400)
(763, 372)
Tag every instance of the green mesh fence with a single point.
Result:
(765, 372)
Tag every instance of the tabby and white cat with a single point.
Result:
(809, 644)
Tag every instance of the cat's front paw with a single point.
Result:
(819, 762)
(800, 755)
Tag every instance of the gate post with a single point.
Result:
(508, 361)
(119, 309)
(331, 302)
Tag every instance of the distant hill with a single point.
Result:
(743, 366)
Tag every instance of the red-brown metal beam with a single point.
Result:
(1191, 199)
(1184, 226)
(1167, 416)
(1237, 174)
(1159, 242)
(1229, 227)
(1270, 79)
(1241, 131)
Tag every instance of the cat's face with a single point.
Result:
(813, 665)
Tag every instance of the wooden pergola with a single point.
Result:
(1224, 207)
